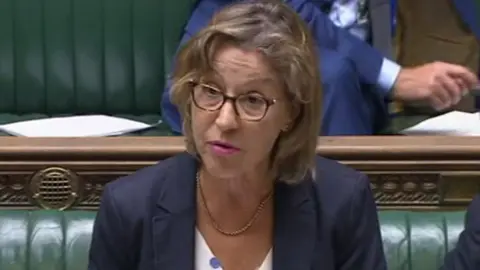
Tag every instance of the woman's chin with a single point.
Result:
(222, 168)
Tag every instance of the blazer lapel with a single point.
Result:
(174, 222)
(295, 227)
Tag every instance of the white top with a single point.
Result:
(205, 260)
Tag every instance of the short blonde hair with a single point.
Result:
(276, 31)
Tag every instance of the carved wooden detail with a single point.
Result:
(54, 188)
(93, 187)
(405, 172)
(13, 191)
(406, 189)
(460, 187)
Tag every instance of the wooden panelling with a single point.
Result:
(406, 172)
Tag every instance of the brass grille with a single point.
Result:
(54, 188)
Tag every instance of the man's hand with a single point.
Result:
(440, 85)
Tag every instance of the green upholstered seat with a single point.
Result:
(419, 240)
(76, 57)
(50, 240)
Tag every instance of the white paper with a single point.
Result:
(74, 126)
(454, 123)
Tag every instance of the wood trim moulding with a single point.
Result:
(406, 172)
(154, 148)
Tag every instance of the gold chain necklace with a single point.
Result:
(247, 226)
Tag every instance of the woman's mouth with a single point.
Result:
(222, 148)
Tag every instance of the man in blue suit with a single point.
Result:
(347, 63)
(466, 255)
(469, 10)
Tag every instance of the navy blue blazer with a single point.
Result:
(466, 255)
(147, 221)
(469, 10)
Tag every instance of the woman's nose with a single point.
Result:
(227, 117)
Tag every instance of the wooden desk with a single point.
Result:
(406, 172)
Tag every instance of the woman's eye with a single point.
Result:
(254, 100)
(210, 91)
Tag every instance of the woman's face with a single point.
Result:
(233, 140)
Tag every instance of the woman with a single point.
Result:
(250, 193)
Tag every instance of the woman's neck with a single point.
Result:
(244, 188)
(233, 201)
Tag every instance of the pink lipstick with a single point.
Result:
(223, 149)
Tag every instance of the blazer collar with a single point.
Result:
(175, 219)
(173, 224)
(296, 225)
(178, 192)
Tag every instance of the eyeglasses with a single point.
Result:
(249, 106)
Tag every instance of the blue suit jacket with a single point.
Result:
(147, 221)
(469, 10)
(466, 255)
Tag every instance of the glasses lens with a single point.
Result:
(251, 106)
(206, 97)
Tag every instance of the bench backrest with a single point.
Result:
(52, 240)
(87, 56)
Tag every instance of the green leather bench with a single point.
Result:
(87, 56)
(50, 240)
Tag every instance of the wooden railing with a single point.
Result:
(406, 172)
